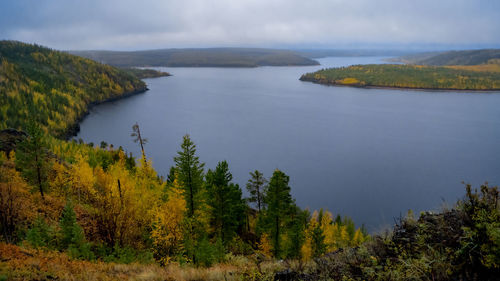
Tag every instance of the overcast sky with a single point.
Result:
(148, 24)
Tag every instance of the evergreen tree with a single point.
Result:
(190, 173)
(296, 232)
(31, 157)
(171, 175)
(40, 234)
(318, 237)
(190, 176)
(225, 200)
(279, 204)
(71, 235)
(257, 188)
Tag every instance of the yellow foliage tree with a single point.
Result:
(167, 229)
(265, 246)
(82, 179)
(15, 209)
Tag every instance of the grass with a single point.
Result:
(19, 263)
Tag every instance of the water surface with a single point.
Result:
(371, 154)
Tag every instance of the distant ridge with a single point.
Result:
(207, 57)
(468, 57)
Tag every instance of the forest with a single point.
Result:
(71, 210)
(54, 87)
(480, 77)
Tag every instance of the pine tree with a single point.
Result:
(31, 157)
(256, 186)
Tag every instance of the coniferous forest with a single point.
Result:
(85, 211)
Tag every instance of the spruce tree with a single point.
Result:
(256, 186)
(279, 204)
(296, 231)
(190, 173)
(71, 235)
(318, 237)
(225, 199)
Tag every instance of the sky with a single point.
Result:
(148, 24)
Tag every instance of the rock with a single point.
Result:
(9, 139)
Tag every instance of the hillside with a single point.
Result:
(76, 211)
(55, 87)
(209, 57)
(407, 76)
(468, 57)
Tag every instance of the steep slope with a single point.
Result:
(55, 88)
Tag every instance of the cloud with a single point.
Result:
(145, 24)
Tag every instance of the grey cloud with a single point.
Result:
(127, 24)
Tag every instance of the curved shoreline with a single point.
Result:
(75, 128)
(401, 88)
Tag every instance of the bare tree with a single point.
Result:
(136, 133)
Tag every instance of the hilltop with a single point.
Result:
(206, 57)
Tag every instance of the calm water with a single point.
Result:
(371, 154)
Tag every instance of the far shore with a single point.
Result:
(403, 88)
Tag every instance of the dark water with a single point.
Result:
(371, 154)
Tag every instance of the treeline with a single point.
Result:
(406, 76)
(54, 87)
(143, 73)
(98, 203)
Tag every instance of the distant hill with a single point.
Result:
(210, 57)
(469, 57)
(55, 88)
(321, 53)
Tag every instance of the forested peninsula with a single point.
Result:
(71, 210)
(55, 88)
(481, 77)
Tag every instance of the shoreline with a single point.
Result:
(73, 129)
(402, 88)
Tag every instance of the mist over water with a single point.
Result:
(371, 154)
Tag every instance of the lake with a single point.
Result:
(371, 154)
